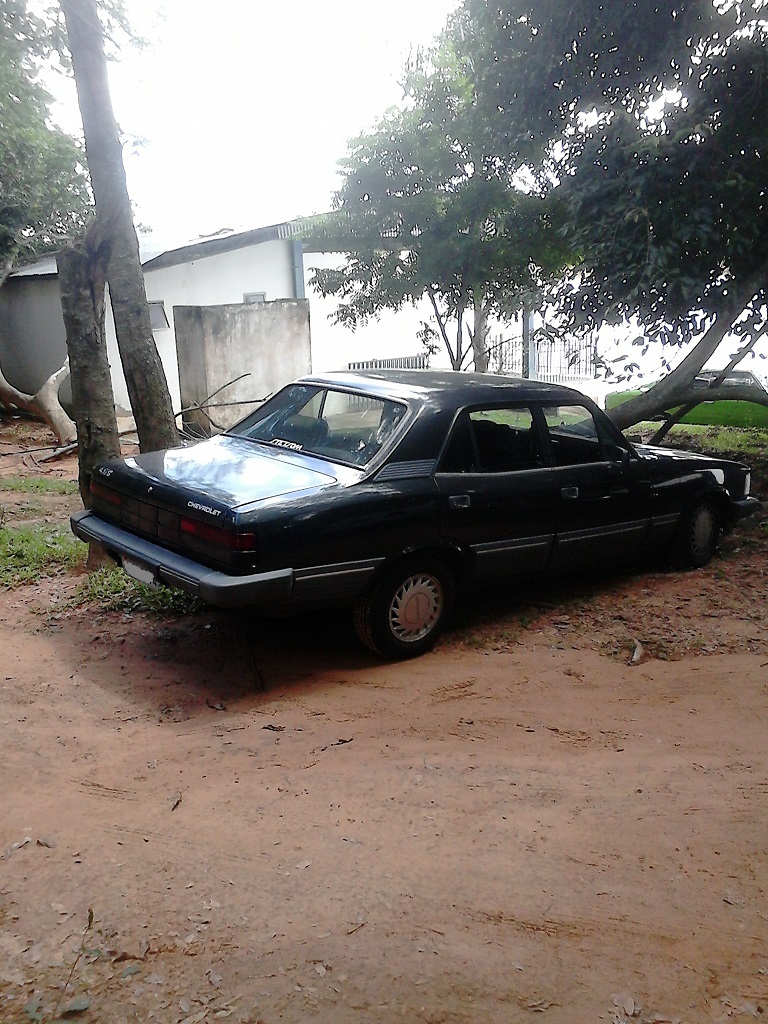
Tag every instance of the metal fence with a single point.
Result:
(557, 361)
(417, 362)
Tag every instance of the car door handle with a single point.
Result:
(569, 492)
(458, 501)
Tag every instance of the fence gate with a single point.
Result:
(560, 360)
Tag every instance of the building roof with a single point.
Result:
(43, 268)
(155, 257)
(212, 245)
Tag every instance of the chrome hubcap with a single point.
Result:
(701, 530)
(416, 607)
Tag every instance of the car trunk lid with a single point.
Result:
(215, 478)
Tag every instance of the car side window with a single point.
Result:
(573, 435)
(494, 441)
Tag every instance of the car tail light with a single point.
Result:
(98, 490)
(215, 535)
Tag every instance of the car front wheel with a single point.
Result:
(697, 536)
(405, 611)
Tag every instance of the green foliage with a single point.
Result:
(672, 215)
(29, 552)
(112, 590)
(650, 121)
(424, 211)
(44, 195)
(541, 66)
(611, 155)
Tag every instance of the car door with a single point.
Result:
(498, 497)
(602, 488)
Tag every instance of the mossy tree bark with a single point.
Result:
(144, 374)
(82, 277)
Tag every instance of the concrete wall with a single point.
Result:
(33, 343)
(32, 340)
(32, 337)
(215, 280)
(269, 342)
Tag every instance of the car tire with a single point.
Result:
(406, 610)
(697, 536)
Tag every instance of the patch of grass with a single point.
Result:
(724, 439)
(745, 440)
(23, 511)
(28, 552)
(113, 591)
(38, 485)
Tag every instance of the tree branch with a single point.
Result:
(672, 389)
(44, 404)
(695, 396)
(454, 357)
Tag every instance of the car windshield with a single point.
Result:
(336, 425)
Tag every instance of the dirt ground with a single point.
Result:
(561, 814)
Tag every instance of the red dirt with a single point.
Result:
(269, 825)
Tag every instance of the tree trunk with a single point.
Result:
(144, 374)
(7, 266)
(676, 387)
(455, 357)
(460, 307)
(82, 276)
(480, 337)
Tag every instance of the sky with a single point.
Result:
(237, 114)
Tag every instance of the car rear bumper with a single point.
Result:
(151, 563)
(312, 586)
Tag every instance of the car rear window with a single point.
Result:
(338, 425)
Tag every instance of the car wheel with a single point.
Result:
(697, 536)
(402, 616)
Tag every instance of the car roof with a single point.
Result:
(444, 387)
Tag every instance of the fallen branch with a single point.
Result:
(43, 405)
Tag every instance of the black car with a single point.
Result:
(388, 491)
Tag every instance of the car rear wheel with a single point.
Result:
(404, 613)
(697, 536)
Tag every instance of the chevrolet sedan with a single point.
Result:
(390, 491)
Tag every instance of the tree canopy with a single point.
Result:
(651, 123)
(540, 66)
(610, 155)
(423, 211)
(44, 195)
